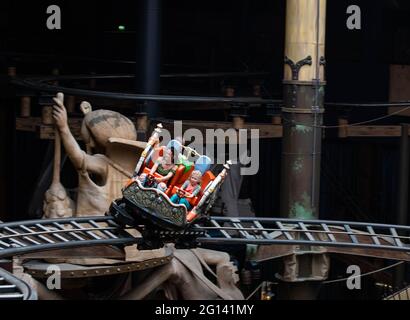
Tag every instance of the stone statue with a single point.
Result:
(184, 278)
(181, 279)
(103, 169)
(112, 152)
(57, 203)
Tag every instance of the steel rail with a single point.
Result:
(40, 235)
(267, 231)
(13, 288)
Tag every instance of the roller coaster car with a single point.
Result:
(151, 211)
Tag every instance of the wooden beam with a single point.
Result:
(34, 124)
(373, 131)
(266, 130)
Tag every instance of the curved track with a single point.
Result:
(12, 288)
(23, 237)
(266, 231)
(39, 235)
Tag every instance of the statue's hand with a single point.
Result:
(60, 112)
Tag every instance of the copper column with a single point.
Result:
(302, 137)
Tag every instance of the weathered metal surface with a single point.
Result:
(295, 67)
(301, 153)
(303, 107)
(156, 202)
(38, 269)
(91, 252)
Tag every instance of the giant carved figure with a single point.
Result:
(184, 278)
(109, 161)
(101, 175)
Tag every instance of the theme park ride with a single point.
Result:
(150, 210)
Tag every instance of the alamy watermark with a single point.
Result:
(54, 20)
(54, 278)
(242, 145)
(354, 282)
(354, 21)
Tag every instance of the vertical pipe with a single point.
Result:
(403, 176)
(10, 146)
(149, 51)
(302, 134)
(303, 108)
(403, 192)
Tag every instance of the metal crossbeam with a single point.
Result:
(12, 288)
(266, 231)
(40, 235)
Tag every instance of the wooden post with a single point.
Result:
(229, 91)
(25, 107)
(343, 129)
(238, 122)
(70, 104)
(47, 115)
(11, 71)
(277, 120)
(46, 103)
(55, 72)
(256, 90)
(93, 81)
(142, 125)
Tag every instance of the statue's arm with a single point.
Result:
(149, 284)
(73, 150)
(212, 257)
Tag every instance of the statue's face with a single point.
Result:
(85, 107)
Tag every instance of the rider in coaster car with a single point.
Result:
(163, 166)
(188, 190)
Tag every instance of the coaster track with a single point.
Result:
(267, 231)
(12, 288)
(22, 237)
